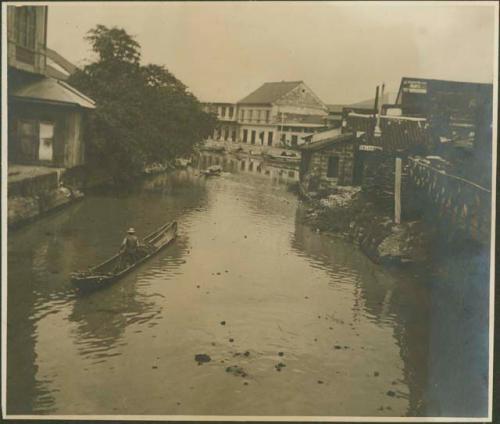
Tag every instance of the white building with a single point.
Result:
(280, 113)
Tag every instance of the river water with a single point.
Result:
(295, 322)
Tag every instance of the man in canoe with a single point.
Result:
(130, 248)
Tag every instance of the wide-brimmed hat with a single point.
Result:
(131, 230)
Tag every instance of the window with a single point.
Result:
(27, 140)
(270, 138)
(242, 115)
(245, 136)
(253, 137)
(233, 135)
(250, 166)
(333, 167)
(283, 138)
(258, 115)
(36, 141)
(223, 111)
(261, 137)
(231, 111)
(46, 141)
(226, 133)
(267, 116)
(294, 140)
(25, 26)
(25, 33)
(250, 115)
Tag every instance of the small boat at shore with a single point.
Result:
(112, 270)
(283, 158)
(212, 171)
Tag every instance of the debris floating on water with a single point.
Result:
(201, 358)
(280, 366)
(237, 371)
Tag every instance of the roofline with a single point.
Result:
(443, 80)
(316, 96)
(76, 92)
(269, 82)
(339, 138)
(52, 102)
(254, 103)
(437, 80)
(218, 103)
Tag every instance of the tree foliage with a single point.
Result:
(144, 113)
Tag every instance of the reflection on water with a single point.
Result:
(250, 164)
(352, 337)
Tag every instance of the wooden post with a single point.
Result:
(397, 192)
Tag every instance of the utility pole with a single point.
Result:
(375, 107)
(378, 132)
(397, 191)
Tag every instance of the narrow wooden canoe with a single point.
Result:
(111, 270)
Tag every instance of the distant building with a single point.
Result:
(45, 114)
(280, 113)
(227, 128)
(328, 160)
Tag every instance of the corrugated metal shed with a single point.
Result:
(52, 91)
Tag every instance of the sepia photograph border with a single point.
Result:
(223, 418)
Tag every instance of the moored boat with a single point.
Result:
(212, 171)
(283, 158)
(114, 268)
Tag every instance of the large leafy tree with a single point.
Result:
(143, 114)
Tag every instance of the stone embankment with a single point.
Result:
(26, 208)
(350, 213)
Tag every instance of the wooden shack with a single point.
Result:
(327, 161)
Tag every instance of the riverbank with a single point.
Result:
(35, 191)
(351, 213)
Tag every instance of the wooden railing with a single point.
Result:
(461, 205)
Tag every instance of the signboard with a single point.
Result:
(369, 148)
(415, 87)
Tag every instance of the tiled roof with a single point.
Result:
(318, 145)
(52, 90)
(269, 92)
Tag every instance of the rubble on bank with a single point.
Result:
(24, 209)
(349, 212)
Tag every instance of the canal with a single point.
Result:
(294, 322)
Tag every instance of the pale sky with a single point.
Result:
(223, 51)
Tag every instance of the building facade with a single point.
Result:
(277, 114)
(280, 114)
(227, 128)
(45, 114)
